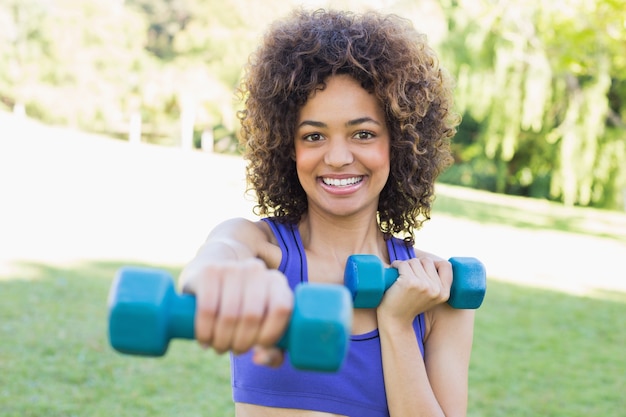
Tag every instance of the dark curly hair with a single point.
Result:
(392, 61)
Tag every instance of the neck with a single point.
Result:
(339, 237)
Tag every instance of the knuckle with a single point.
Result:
(228, 319)
(204, 320)
(203, 338)
(205, 310)
(445, 295)
(426, 261)
(241, 345)
(222, 341)
(414, 262)
(253, 265)
(203, 331)
(434, 293)
(240, 350)
(270, 337)
(249, 320)
(219, 347)
(211, 271)
(282, 308)
(278, 278)
(444, 263)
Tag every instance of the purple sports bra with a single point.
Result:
(358, 389)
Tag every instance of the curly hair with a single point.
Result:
(392, 61)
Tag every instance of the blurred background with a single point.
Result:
(541, 85)
(118, 145)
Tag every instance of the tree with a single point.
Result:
(71, 63)
(535, 80)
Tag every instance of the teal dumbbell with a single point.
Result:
(145, 313)
(367, 279)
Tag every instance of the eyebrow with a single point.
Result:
(349, 123)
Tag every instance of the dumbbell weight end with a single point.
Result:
(367, 279)
(468, 294)
(142, 332)
(320, 340)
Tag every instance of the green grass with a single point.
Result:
(543, 353)
(55, 359)
(536, 353)
(527, 213)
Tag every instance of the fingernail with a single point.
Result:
(261, 357)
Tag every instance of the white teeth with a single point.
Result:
(342, 182)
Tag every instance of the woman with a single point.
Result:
(346, 126)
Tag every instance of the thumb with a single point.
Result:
(268, 356)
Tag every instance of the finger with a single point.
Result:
(279, 308)
(228, 314)
(425, 277)
(208, 302)
(428, 268)
(272, 356)
(405, 270)
(439, 278)
(444, 270)
(253, 308)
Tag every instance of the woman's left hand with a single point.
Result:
(422, 284)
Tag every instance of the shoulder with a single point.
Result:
(422, 254)
(240, 228)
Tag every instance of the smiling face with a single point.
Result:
(342, 149)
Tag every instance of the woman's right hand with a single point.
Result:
(240, 305)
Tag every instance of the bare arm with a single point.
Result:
(448, 350)
(232, 240)
(438, 386)
(241, 300)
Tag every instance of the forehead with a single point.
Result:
(341, 96)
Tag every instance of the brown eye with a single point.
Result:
(313, 137)
(364, 135)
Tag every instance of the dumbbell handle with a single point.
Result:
(181, 311)
(182, 319)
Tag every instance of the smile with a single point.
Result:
(343, 182)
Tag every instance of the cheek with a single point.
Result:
(304, 162)
(381, 159)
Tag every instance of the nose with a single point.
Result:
(338, 153)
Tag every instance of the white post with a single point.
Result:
(134, 130)
(207, 140)
(19, 110)
(187, 121)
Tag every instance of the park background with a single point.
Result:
(537, 192)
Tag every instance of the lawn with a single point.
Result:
(56, 361)
(536, 353)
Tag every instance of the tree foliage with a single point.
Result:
(69, 65)
(541, 85)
